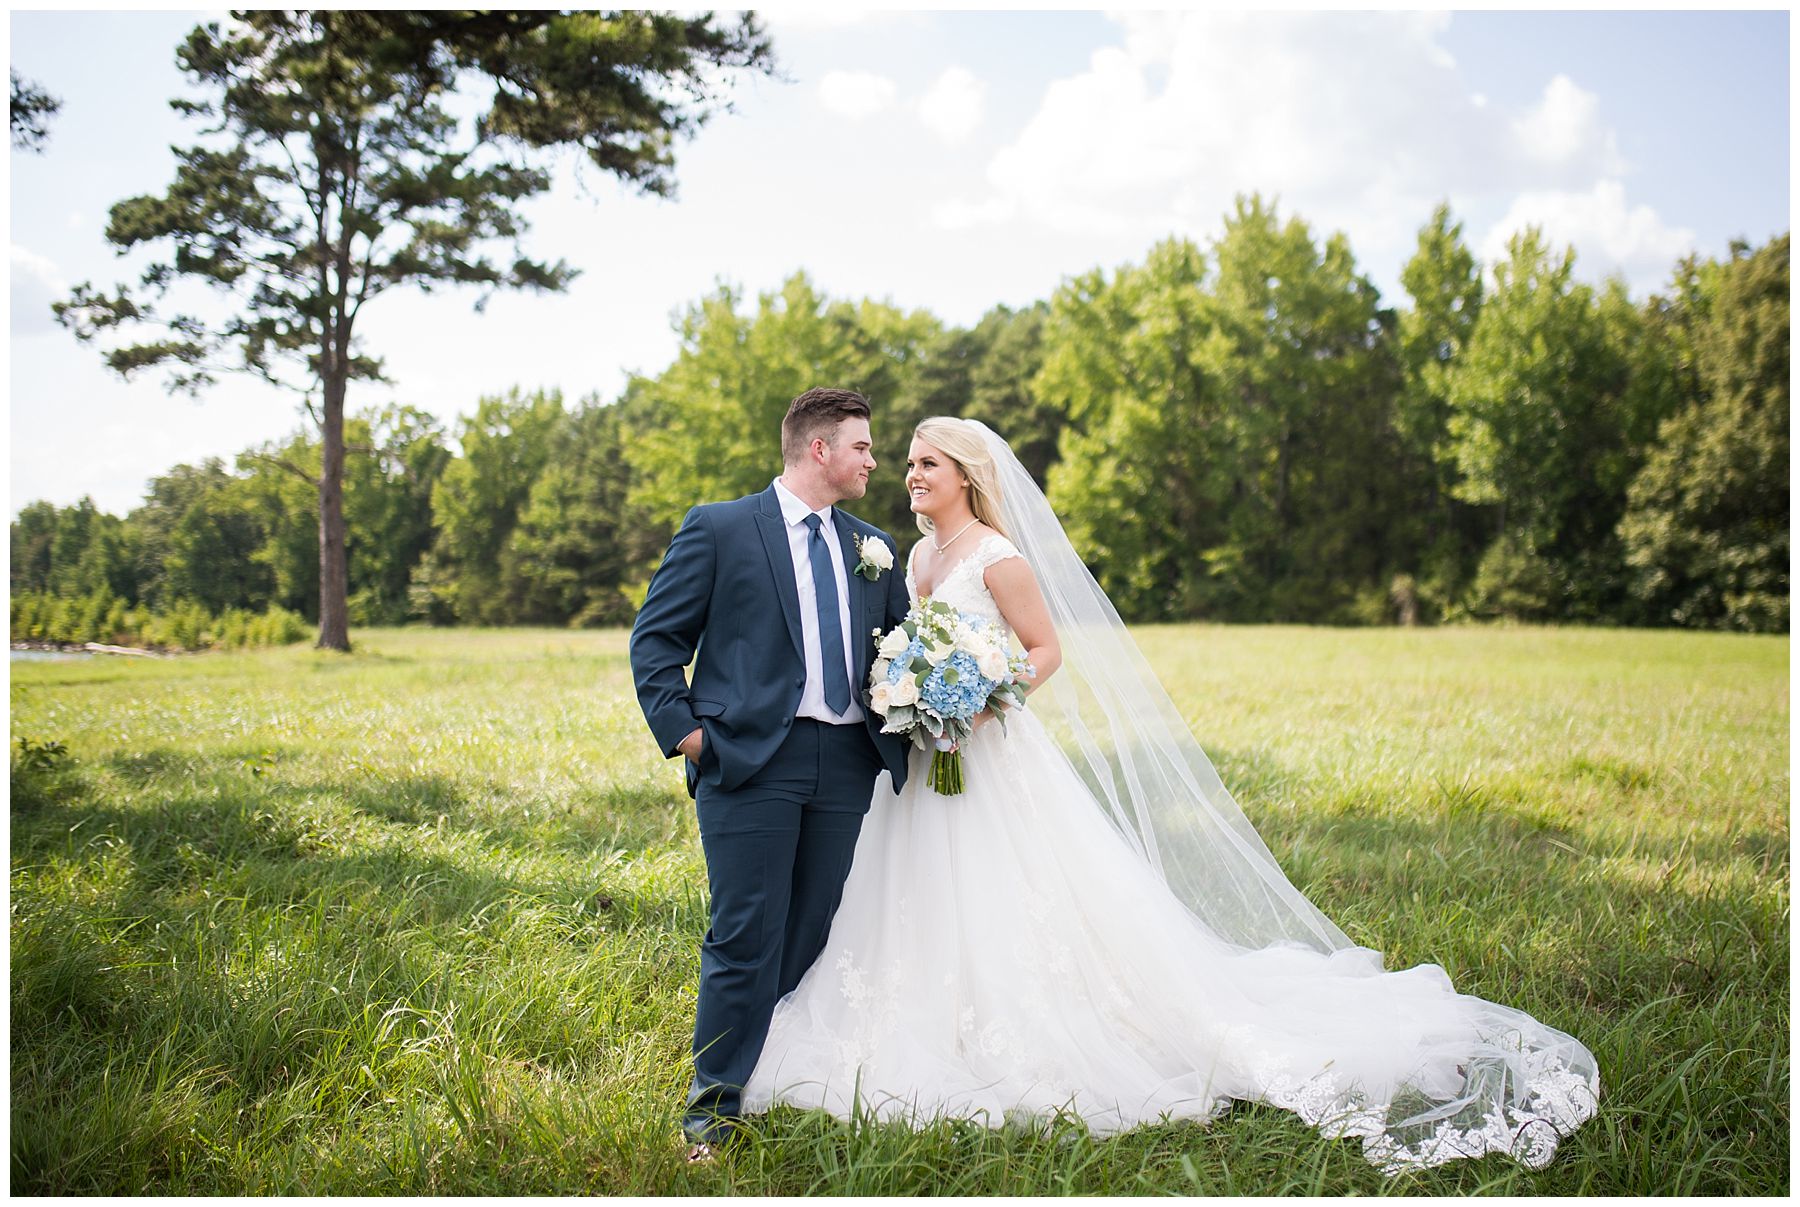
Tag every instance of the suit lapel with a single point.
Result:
(781, 563)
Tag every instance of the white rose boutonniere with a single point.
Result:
(873, 557)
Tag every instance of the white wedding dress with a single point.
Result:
(1006, 953)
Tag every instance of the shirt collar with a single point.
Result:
(794, 511)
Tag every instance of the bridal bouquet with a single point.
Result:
(936, 671)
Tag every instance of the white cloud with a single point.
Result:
(1608, 234)
(953, 106)
(1564, 132)
(856, 94)
(1098, 156)
(36, 282)
(1338, 114)
(1360, 122)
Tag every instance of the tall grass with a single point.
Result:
(424, 918)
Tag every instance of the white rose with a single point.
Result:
(904, 692)
(992, 664)
(894, 643)
(881, 697)
(935, 654)
(877, 554)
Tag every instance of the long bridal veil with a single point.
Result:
(1111, 715)
(1479, 1077)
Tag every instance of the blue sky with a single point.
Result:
(948, 161)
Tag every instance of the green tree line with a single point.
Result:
(1238, 432)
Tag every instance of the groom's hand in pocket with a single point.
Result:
(690, 745)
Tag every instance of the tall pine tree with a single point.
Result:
(333, 173)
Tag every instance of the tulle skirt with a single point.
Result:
(1002, 954)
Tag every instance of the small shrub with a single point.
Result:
(278, 626)
(104, 617)
(1512, 583)
(118, 627)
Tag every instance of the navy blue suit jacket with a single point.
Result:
(725, 598)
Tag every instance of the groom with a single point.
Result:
(779, 593)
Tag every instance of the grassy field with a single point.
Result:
(425, 918)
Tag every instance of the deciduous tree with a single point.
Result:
(716, 427)
(1553, 405)
(477, 501)
(570, 558)
(1444, 534)
(1707, 527)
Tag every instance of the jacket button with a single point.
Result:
(786, 721)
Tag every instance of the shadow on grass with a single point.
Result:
(634, 819)
(326, 855)
(276, 930)
(238, 808)
(239, 818)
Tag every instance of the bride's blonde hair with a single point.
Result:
(964, 444)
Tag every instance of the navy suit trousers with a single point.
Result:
(778, 849)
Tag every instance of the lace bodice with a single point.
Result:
(965, 587)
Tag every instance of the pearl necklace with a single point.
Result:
(952, 540)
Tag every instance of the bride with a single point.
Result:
(1093, 928)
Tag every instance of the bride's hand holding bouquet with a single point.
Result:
(938, 671)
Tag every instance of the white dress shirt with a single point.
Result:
(812, 697)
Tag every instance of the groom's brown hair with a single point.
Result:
(817, 413)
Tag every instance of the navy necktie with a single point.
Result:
(831, 628)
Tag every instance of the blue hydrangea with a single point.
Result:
(900, 665)
(963, 698)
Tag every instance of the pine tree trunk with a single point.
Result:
(334, 575)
